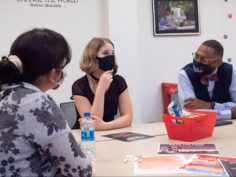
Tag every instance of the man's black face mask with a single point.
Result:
(201, 69)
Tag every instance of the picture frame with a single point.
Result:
(175, 17)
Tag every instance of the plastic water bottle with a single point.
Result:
(87, 136)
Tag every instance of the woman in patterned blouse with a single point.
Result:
(35, 139)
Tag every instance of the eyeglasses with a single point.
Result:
(202, 59)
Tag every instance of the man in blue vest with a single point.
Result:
(208, 82)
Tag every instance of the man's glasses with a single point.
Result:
(202, 59)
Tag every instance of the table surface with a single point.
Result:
(110, 153)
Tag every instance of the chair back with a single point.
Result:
(70, 111)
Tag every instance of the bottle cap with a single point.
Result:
(87, 114)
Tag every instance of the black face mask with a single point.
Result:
(201, 69)
(106, 63)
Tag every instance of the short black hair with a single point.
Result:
(39, 50)
(216, 45)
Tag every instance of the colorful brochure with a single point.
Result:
(229, 167)
(187, 148)
(207, 164)
(160, 164)
(128, 136)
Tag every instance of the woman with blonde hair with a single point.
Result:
(101, 91)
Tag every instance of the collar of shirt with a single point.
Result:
(30, 86)
(214, 72)
(24, 84)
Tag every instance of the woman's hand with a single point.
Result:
(99, 124)
(105, 80)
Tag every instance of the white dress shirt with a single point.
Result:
(185, 90)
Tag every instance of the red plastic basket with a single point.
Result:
(190, 129)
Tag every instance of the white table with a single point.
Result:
(110, 153)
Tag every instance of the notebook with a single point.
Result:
(220, 122)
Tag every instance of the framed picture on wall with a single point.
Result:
(175, 17)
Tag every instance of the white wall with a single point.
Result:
(228, 27)
(78, 22)
(145, 61)
(124, 31)
(162, 57)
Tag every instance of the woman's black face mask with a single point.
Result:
(106, 63)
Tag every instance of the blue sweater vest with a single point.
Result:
(221, 89)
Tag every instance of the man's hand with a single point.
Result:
(233, 111)
(194, 103)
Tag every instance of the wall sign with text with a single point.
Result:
(47, 3)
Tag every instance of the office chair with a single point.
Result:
(70, 111)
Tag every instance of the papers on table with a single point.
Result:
(207, 164)
(187, 148)
(160, 164)
(171, 164)
(128, 136)
(229, 167)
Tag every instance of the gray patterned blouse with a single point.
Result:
(35, 140)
